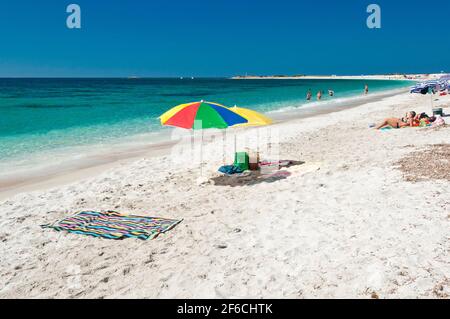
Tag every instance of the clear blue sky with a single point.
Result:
(222, 37)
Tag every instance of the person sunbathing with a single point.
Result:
(394, 122)
(424, 116)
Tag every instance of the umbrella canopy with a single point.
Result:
(201, 115)
(427, 86)
(445, 81)
(254, 118)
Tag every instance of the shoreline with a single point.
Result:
(96, 163)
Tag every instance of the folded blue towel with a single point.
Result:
(230, 169)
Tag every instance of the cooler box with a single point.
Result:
(438, 111)
(241, 160)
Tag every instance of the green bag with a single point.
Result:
(241, 160)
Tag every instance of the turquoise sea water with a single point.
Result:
(47, 115)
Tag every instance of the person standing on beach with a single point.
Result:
(319, 95)
(309, 95)
(366, 89)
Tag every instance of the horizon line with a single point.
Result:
(133, 77)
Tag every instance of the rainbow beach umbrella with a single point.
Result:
(201, 115)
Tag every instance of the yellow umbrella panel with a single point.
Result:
(254, 118)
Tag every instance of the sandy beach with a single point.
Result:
(345, 222)
(394, 77)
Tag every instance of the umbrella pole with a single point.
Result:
(201, 156)
(257, 140)
(224, 146)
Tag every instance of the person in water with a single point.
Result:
(330, 92)
(408, 120)
(309, 95)
(366, 89)
(319, 95)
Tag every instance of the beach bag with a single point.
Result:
(241, 160)
(254, 160)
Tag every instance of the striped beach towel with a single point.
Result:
(112, 225)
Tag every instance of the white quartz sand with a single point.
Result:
(345, 223)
